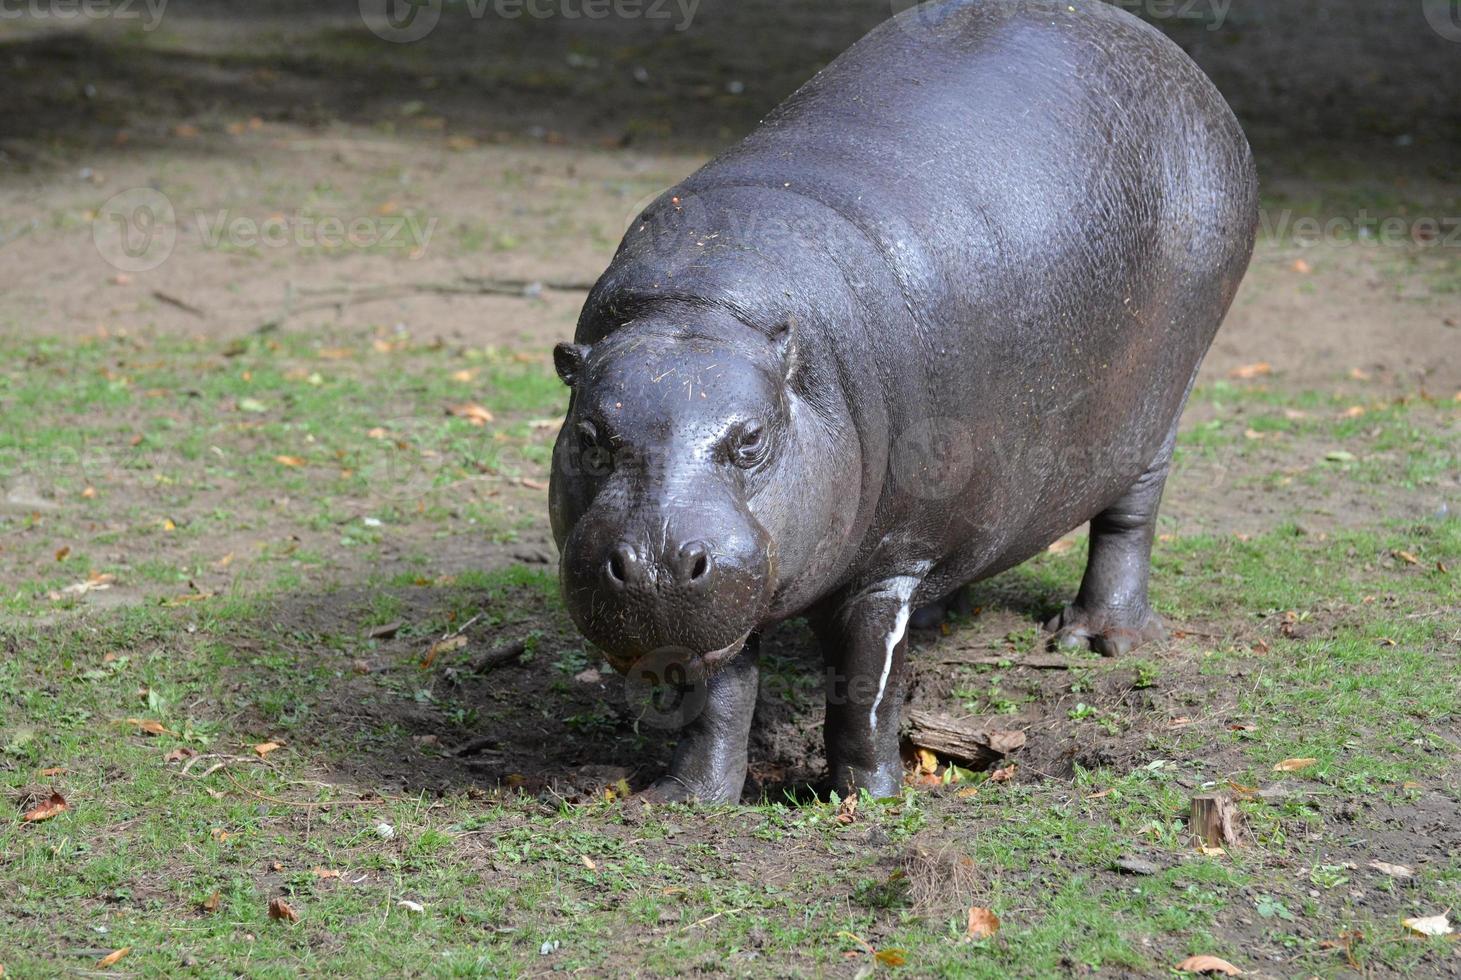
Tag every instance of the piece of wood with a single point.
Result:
(1034, 661)
(497, 657)
(1214, 820)
(965, 740)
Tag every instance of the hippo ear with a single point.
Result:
(568, 359)
(784, 336)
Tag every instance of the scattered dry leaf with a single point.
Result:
(445, 645)
(411, 906)
(264, 748)
(472, 412)
(212, 902)
(62, 552)
(1431, 925)
(1061, 547)
(1002, 775)
(324, 873)
(588, 862)
(1393, 870)
(293, 461)
(149, 726)
(891, 957)
(279, 909)
(1301, 267)
(1249, 371)
(179, 754)
(1406, 557)
(983, 923)
(114, 957)
(1208, 964)
(532, 484)
(1293, 765)
(45, 811)
(847, 810)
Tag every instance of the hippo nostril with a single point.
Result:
(693, 563)
(623, 566)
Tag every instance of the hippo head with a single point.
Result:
(665, 497)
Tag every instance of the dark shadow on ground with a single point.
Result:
(1359, 77)
(560, 723)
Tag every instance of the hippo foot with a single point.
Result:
(669, 789)
(1109, 632)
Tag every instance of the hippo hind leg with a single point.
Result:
(1110, 613)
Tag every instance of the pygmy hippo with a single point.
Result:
(943, 306)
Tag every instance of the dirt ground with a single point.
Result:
(521, 150)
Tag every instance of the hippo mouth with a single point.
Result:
(710, 661)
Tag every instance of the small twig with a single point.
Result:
(711, 918)
(227, 760)
(183, 305)
(340, 297)
(301, 803)
(498, 657)
(474, 745)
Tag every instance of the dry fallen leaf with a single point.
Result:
(149, 726)
(114, 957)
(847, 810)
(588, 862)
(446, 645)
(1431, 925)
(179, 754)
(1249, 371)
(324, 873)
(411, 906)
(532, 484)
(45, 811)
(1061, 546)
(472, 412)
(1301, 267)
(1002, 775)
(279, 909)
(1393, 870)
(1293, 765)
(1406, 557)
(264, 748)
(212, 902)
(983, 923)
(891, 957)
(294, 461)
(62, 552)
(1208, 964)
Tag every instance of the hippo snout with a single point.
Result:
(686, 567)
(633, 594)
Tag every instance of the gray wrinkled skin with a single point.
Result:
(943, 306)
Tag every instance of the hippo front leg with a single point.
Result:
(865, 643)
(709, 764)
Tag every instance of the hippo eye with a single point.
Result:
(596, 458)
(749, 446)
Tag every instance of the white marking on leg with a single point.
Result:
(903, 588)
